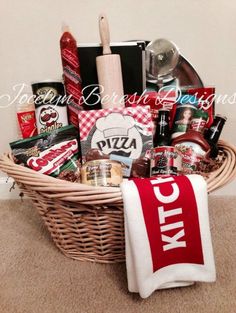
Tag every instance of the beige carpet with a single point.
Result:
(36, 278)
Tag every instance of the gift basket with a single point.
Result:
(74, 180)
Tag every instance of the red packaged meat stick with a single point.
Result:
(71, 73)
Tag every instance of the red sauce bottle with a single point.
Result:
(192, 145)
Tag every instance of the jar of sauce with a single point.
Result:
(101, 172)
(192, 144)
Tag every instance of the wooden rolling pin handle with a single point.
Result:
(110, 81)
(104, 34)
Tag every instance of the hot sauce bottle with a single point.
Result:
(213, 133)
(193, 145)
(162, 134)
(165, 159)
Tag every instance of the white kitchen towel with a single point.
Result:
(167, 234)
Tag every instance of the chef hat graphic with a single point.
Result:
(115, 124)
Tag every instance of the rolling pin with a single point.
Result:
(109, 71)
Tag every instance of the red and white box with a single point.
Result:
(122, 131)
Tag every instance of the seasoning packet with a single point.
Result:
(55, 153)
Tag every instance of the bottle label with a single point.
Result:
(183, 117)
(163, 123)
(192, 155)
(166, 160)
(198, 124)
(214, 129)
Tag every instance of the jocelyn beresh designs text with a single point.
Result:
(19, 95)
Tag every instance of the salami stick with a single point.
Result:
(71, 73)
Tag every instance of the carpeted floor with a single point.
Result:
(36, 278)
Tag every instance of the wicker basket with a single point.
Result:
(86, 223)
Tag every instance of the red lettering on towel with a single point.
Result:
(171, 217)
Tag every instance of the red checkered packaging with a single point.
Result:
(164, 99)
(121, 133)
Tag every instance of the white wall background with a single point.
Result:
(205, 31)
